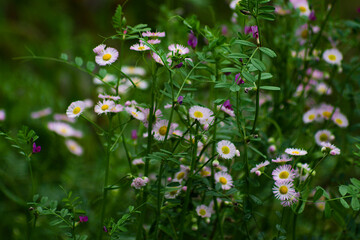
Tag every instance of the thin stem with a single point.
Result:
(159, 199)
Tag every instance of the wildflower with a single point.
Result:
(172, 194)
(312, 16)
(282, 159)
(304, 171)
(340, 119)
(284, 172)
(203, 211)
(322, 136)
(205, 172)
(63, 129)
(75, 109)
(139, 182)
(177, 48)
(104, 107)
(225, 179)
(134, 134)
(146, 113)
(139, 47)
(284, 190)
(200, 113)
(303, 7)
(160, 129)
(36, 149)
(310, 115)
(109, 78)
(41, 113)
(151, 41)
(238, 79)
(325, 110)
(226, 149)
(115, 98)
(117, 108)
(253, 30)
(138, 161)
(107, 56)
(259, 168)
(295, 151)
(83, 218)
(74, 147)
(293, 199)
(332, 56)
(322, 89)
(180, 99)
(330, 148)
(272, 148)
(182, 174)
(105, 229)
(192, 42)
(99, 49)
(135, 113)
(129, 70)
(153, 34)
(2, 115)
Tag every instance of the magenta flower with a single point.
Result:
(180, 99)
(134, 134)
(179, 65)
(312, 16)
(252, 29)
(36, 149)
(83, 218)
(238, 79)
(192, 42)
(227, 104)
(105, 229)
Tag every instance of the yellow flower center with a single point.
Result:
(162, 130)
(198, 114)
(326, 114)
(311, 116)
(204, 173)
(304, 34)
(222, 180)
(332, 57)
(131, 69)
(202, 212)
(141, 48)
(106, 57)
(172, 193)
(284, 175)
(225, 150)
(295, 152)
(72, 147)
(323, 137)
(283, 190)
(180, 175)
(104, 107)
(302, 9)
(339, 121)
(76, 110)
(134, 114)
(63, 130)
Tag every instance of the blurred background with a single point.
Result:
(75, 27)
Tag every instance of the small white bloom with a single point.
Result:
(332, 56)
(226, 149)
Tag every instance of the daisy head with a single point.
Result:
(75, 109)
(139, 47)
(153, 34)
(107, 56)
(158, 59)
(323, 89)
(104, 96)
(284, 190)
(99, 49)
(172, 193)
(259, 168)
(332, 56)
(282, 159)
(152, 41)
(226, 149)
(177, 48)
(295, 151)
(109, 78)
(340, 120)
(104, 107)
(284, 173)
(310, 115)
(130, 70)
(224, 179)
(322, 136)
(160, 129)
(330, 148)
(205, 172)
(64, 129)
(203, 211)
(138, 161)
(200, 113)
(293, 199)
(302, 6)
(182, 174)
(135, 113)
(325, 110)
(74, 147)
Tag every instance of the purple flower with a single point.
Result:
(252, 29)
(83, 218)
(312, 16)
(134, 134)
(180, 99)
(36, 149)
(238, 79)
(192, 42)
(247, 29)
(227, 104)
(224, 30)
(179, 65)
(105, 229)
(227, 73)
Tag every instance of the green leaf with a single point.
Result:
(35, 197)
(355, 203)
(270, 88)
(267, 16)
(258, 64)
(238, 55)
(343, 190)
(248, 77)
(318, 194)
(255, 199)
(90, 66)
(232, 70)
(64, 56)
(235, 88)
(78, 61)
(327, 210)
(268, 51)
(102, 72)
(355, 182)
(246, 43)
(280, 228)
(344, 203)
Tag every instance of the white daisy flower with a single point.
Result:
(295, 151)
(146, 112)
(153, 34)
(205, 172)
(138, 161)
(135, 113)
(160, 129)
(303, 7)
(102, 96)
(42, 113)
(130, 70)
(340, 119)
(200, 113)
(177, 48)
(293, 199)
(117, 108)
(152, 41)
(284, 172)
(139, 47)
(325, 110)
(330, 148)
(284, 190)
(259, 168)
(74, 147)
(107, 56)
(332, 56)
(203, 211)
(310, 115)
(99, 49)
(322, 89)
(225, 179)
(282, 159)
(63, 117)
(75, 109)
(109, 78)
(158, 59)
(64, 129)
(172, 194)
(139, 83)
(182, 174)
(104, 107)
(226, 149)
(322, 136)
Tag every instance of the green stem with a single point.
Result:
(159, 199)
